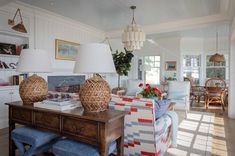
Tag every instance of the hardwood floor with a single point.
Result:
(205, 132)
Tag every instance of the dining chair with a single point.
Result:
(196, 91)
(215, 91)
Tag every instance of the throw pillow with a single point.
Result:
(161, 107)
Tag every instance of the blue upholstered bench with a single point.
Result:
(74, 148)
(39, 141)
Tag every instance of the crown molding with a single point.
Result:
(179, 25)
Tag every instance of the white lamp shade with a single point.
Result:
(34, 61)
(94, 58)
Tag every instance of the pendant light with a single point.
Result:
(133, 36)
(217, 57)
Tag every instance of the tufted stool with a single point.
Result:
(74, 148)
(38, 141)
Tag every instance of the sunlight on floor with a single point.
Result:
(200, 135)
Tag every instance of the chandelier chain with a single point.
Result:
(133, 14)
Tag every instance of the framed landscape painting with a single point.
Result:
(65, 50)
(171, 66)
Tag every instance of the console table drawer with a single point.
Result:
(47, 120)
(80, 128)
(21, 115)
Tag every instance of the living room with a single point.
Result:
(178, 43)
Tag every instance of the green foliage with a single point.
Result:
(170, 78)
(122, 62)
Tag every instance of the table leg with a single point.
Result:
(12, 146)
(104, 149)
(120, 146)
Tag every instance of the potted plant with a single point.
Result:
(122, 62)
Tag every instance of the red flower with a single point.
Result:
(155, 89)
(155, 92)
(147, 85)
(146, 90)
(141, 85)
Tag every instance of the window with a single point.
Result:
(217, 69)
(191, 67)
(151, 75)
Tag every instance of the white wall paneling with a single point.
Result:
(231, 105)
(49, 27)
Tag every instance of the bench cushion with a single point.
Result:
(32, 136)
(74, 148)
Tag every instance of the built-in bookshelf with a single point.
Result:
(10, 47)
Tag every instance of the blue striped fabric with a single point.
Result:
(161, 107)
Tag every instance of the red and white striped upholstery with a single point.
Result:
(143, 134)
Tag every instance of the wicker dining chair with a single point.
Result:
(215, 91)
(196, 92)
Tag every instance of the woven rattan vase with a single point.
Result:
(33, 89)
(95, 94)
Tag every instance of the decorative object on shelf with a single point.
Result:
(7, 49)
(170, 66)
(17, 79)
(65, 50)
(13, 65)
(95, 93)
(20, 47)
(3, 65)
(150, 92)
(122, 62)
(133, 36)
(144, 68)
(217, 57)
(34, 88)
(20, 26)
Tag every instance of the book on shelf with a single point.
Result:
(56, 107)
(17, 79)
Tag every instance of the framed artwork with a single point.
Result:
(170, 66)
(65, 50)
(64, 87)
(7, 49)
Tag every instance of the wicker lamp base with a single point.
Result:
(33, 89)
(95, 94)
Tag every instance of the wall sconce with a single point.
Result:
(20, 26)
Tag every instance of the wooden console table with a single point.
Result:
(99, 129)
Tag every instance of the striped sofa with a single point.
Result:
(143, 134)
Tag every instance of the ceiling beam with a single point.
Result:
(179, 25)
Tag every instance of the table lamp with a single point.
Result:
(95, 58)
(34, 88)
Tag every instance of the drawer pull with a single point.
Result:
(78, 129)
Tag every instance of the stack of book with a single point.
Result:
(58, 104)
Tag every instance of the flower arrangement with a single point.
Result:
(150, 92)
